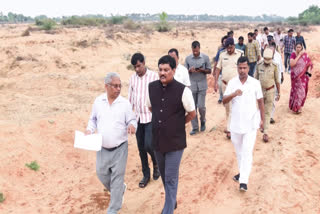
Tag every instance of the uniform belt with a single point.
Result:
(271, 87)
(114, 148)
(224, 82)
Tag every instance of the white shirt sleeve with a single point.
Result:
(228, 90)
(130, 116)
(186, 77)
(92, 123)
(258, 91)
(187, 100)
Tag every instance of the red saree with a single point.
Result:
(299, 82)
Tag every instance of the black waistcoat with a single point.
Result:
(168, 116)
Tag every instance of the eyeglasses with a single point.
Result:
(115, 86)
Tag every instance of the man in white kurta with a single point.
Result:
(243, 91)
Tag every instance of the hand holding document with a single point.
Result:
(91, 142)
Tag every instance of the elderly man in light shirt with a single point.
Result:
(277, 59)
(113, 118)
(181, 74)
(244, 92)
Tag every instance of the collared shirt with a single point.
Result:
(265, 39)
(182, 75)
(198, 79)
(267, 74)
(252, 51)
(301, 39)
(241, 47)
(137, 94)
(216, 59)
(187, 100)
(111, 121)
(259, 40)
(277, 39)
(289, 43)
(228, 64)
(245, 115)
(277, 59)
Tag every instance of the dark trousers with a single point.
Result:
(169, 164)
(144, 140)
(252, 68)
(287, 60)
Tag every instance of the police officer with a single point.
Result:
(267, 73)
(228, 64)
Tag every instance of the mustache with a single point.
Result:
(162, 76)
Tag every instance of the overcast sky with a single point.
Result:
(121, 7)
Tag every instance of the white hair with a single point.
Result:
(110, 76)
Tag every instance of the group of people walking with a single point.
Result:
(248, 77)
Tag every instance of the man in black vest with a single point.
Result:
(169, 102)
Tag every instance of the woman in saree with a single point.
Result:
(301, 66)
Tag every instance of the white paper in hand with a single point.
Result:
(91, 142)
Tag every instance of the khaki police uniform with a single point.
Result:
(227, 64)
(268, 76)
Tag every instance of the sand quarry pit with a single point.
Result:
(48, 82)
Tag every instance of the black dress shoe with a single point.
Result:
(156, 172)
(194, 131)
(243, 187)
(272, 121)
(236, 177)
(203, 126)
(144, 182)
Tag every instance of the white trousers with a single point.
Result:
(244, 144)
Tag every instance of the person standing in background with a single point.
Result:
(267, 74)
(240, 45)
(300, 39)
(181, 74)
(198, 65)
(289, 43)
(277, 59)
(253, 53)
(228, 64)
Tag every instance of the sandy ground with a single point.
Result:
(48, 83)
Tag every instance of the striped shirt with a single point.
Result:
(252, 51)
(138, 92)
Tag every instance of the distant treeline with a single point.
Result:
(309, 16)
(206, 18)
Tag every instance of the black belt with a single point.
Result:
(114, 148)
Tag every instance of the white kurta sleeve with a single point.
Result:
(187, 100)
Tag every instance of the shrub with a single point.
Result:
(115, 20)
(33, 166)
(26, 32)
(2, 198)
(84, 21)
(163, 25)
(46, 24)
(131, 25)
(130, 67)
